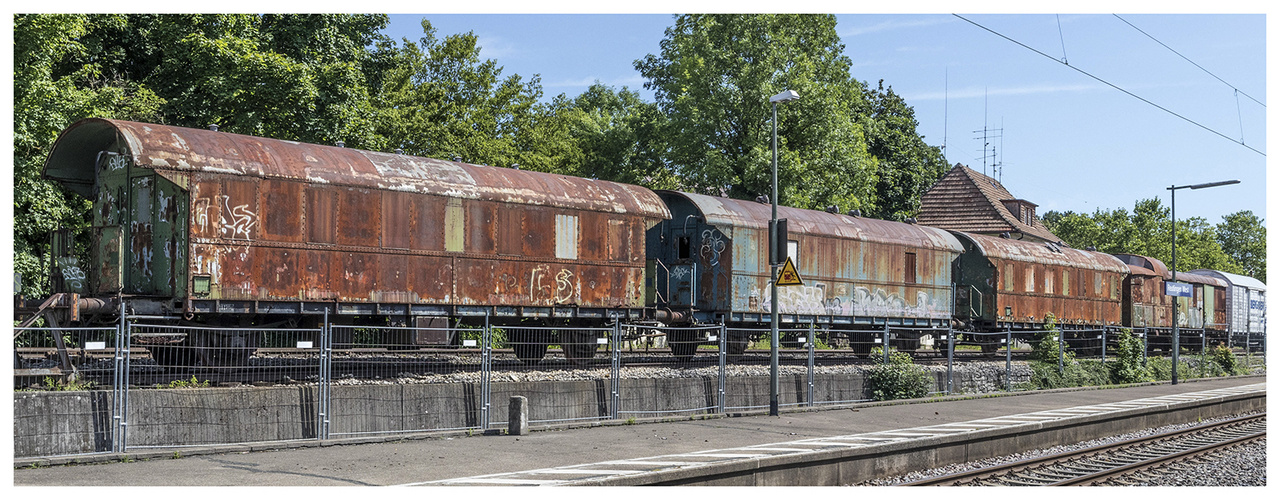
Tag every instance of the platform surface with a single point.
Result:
(557, 457)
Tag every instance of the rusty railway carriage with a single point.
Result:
(1147, 306)
(204, 227)
(217, 225)
(1006, 283)
(710, 263)
(1246, 300)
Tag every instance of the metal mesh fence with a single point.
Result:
(206, 385)
(66, 399)
(402, 379)
(564, 372)
(669, 371)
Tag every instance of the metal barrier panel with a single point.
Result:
(748, 383)
(64, 400)
(564, 372)
(669, 371)
(387, 380)
(192, 385)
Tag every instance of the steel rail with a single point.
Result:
(1022, 468)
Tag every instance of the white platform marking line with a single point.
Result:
(649, 462)
(532, 482)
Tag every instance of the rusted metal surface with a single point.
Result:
(177, 151)
(1148, 306)
(714, 256)
(269, 220)
(1003, 281)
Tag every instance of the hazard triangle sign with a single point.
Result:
(788, 276)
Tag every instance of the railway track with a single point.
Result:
(1123, 463)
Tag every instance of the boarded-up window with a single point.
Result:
(910, 268)
(480, 227)
(321, 212)
(619, 241)
(1066, 282)
(281, 219)
(359, 217)
(454, 223)
(397, 214)
(1097, 284)
(1031, 280)
(566, 236)
(1048, 283)
(1008, 277)
(510, 230)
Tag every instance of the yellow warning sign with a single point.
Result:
(788, 276)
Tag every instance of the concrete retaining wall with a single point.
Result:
(70, 423)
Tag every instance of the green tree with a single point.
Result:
(907, 167)
(440, 99)
(619, 137)
(48, 95)
(1146, 232)
(289, 77)
(713, 79)
(1244, 238)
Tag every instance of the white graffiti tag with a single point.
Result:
(242, 219)
(712, 245)
(72, 275)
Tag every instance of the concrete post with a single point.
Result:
(518, 416)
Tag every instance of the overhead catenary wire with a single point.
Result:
(1112, 85)
(1224, 82)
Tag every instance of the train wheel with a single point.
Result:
(530, 347)
(683, 344)
(579, 346)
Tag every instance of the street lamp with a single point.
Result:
(1173, 217)
(784, 96)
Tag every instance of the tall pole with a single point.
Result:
(1173, 216)
(784, 96)
(1173, 268)
(773, 277)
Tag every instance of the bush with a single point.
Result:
(1224, 362)
(1046, 347)
(1162, 368)
(1076, 373)
(899, 378)
(1127, 367)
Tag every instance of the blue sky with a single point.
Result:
(1068, 141)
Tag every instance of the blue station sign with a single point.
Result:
(1177, 289)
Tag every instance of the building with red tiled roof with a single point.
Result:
(965, 200)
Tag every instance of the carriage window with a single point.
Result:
(566, 236)
(793, 251)
(682, 247)
(1048, 283)
(1066, 282)
(1031, 280)
(1008, 277)
(1097, 284)
(911, 268)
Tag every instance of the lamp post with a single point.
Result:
(1173, 268)
(784, 96)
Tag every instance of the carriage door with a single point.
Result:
(110, 209)
(140, 249)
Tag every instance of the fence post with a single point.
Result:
(615, 370)
(951, 350)
(1204, 349)
(1062, 342)
(1008, 358)
(486, 365)
(326, 371)
(124, 408)
(724, 344)
(119, 387)
(1144, 346)
(884, 345)
(1104, 345)
(811, 342)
